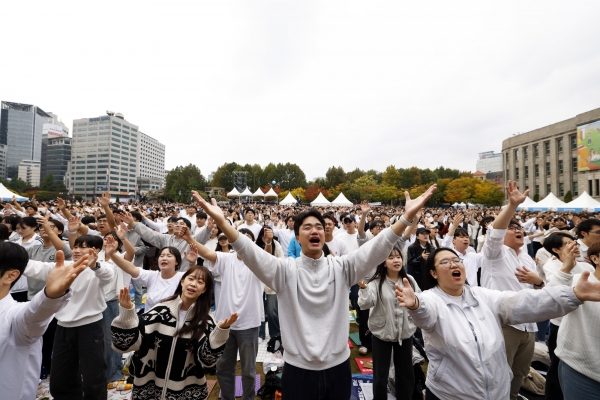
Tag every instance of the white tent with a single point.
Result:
(7, 195)
(526, 204)
(246, 192)
(320, 201)
(463, 205)
(341, 200)
(584, 202)
(550, 202)
(258, 193)
(233, 193)
(289, 200)
(271, 193)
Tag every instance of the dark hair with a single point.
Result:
(554, 241)
(4, 233)
(586, 226)
(116, 237)
(218, 247)
(313, 212)
(514, 222)
(59, 225)
(461, 232)
(260, 242)
(329, 216)
(199, 322)
(246, 231)
(380, 272)
(176, 253)
(90, 241)
(32, 206)
(594, 250)
(191, 206)
(484, 222)
(12, 256)
(88, 220)
(185, 220)
(137, 215)
(430, 281)
(201, 214)
(173, 219)
(28, 221)
(246, 211)
(13, 221)
(288, 218)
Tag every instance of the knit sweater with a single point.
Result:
(162, 366)
(313, 297)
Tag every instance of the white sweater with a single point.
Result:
(578, 342)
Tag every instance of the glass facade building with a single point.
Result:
(56, 154)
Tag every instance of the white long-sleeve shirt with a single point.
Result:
(21, 328)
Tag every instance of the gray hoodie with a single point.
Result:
(313, 297)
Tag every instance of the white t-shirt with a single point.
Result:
(241, 292)
(254, 228)
(158, 288)
(349, 239)
(337, 247)
(182, 315)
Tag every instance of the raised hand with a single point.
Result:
(458, 219)
(92, 258)
(365, 207)
(110, 246)
(228, 322)
(586, 290)
(211, 209)
(210, 224)
(128, 218)
(125, 299)
(184, 233)
(121, 231)
(62, 276)
(61, 203)
(406, 295)
(514, 196)
(74, 224)
(525, 275)
(192, 256)
(414, 205)
(104, 200)
(569, 255)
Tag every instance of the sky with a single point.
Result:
(344, 83)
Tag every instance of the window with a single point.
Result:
(561, 189)
(548, 189)
(116, 129)
(547, 148)
(135, 130)
(537, 189)
(536, 150)
(516, 173)
(575, 188)
(560, 166)
(526, 172)
(116, 123)
(132, 165)
(516, 155)
(559, 144)
(103, 133)
(125, 126)
(132, 176)
(573, 142)
(526, 153)
(537, 170)
(506, 158)
(507, 175)
(547, 169)
(574, 164)
(116, 134)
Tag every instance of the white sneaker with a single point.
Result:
(363, 350)
(260, 340)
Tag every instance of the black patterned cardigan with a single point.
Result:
(162, 367)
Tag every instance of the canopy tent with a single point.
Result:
(526, 204)
(463, 205)
(550, 202)
(341, 200)
(320, 201)
(258, 193)
(470, 205)
(246, 192)
(271, 193)
(584, 202)
(455, 205)
(233, 193)
(7, 195)
(289, 200)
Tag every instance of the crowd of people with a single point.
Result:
(478, 286)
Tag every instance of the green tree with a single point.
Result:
(461, 190)
(335, 176)
(354, 175)
(184, 180)
(488, 193)
(385, 194)
(361, 189)
(270, 174)
(428, 176)
(536, 197)
(17, 184)
(568, 197)
(48, 183)
(223, 176)
(290, 176)
(391, 177)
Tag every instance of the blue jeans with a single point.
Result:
(271, 316)
(139, 292)
(114, 361)
(575, 385)
(540, 335)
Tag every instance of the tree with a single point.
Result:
(17, 184)
(47, 183)
(184, 180)
(290, 176)
(536, 197)
(299, 192)
(311, 192)
(361, 189)
(461, 190)
(410, 177)
(568, 197)
(335, 176)
(391, 177)
(354, 175)
(385, 194)
(488, 193)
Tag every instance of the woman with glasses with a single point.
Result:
(462, 326)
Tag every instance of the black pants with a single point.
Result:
(47, 344)
(364, 334)
(334, 383)
(78, 366)
(430, 396)
(405, 374)
(553, 389)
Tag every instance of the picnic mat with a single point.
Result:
(353, 316)
(362, 388)
(238, 386)
(365, 365)
(350, 343)
(355, 338)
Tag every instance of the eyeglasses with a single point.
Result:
(449, 262)
(515, 228)
(377, 227)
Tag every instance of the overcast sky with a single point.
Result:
(356, 84)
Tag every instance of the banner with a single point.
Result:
(588, 147)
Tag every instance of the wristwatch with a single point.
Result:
(97, 267)
(540, 285)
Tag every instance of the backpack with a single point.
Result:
(272, 384)
(275, 345)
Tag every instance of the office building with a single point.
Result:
(152, 159)
(489, 162)
(21, 132)
(557, 158)
(56, 155)
(2, 161)
(29, 172)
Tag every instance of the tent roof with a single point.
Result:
(233, 193)
(7, 194)
(341, 200)
(246, 192)
(584, 201)
(320, 201)
(259, 193)
(271, 193)
(289, 199)
(550, 201)
(527, 203)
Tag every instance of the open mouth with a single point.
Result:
(190, 291)
(314, 240)
(456, 273)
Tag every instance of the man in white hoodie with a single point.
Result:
(23, 324)
(312, 292)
